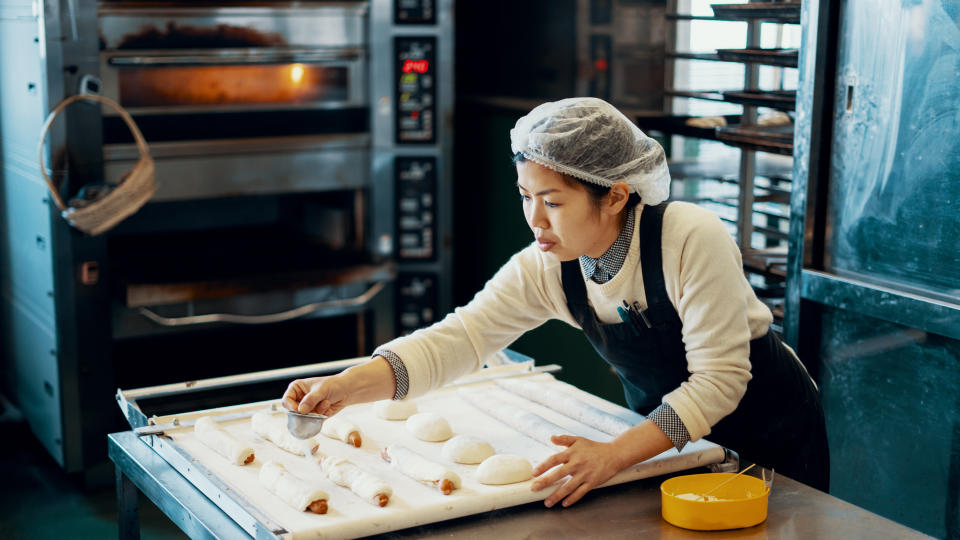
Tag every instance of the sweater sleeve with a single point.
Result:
(713, 299)
(522, 295)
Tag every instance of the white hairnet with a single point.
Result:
(590, 139)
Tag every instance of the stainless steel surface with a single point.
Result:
(304, 426)
(140, 468)
(342, 22)
(127, 399)
(884, 301)
(190, 170)
(168, 489)
(270, 318)
(629, 510)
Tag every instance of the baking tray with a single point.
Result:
(773, 57)
(784, 100)
(782, 12)
(774, 139)
(676, 125)
(236, 490)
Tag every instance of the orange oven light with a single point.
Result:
(231, 85)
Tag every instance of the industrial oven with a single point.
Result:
(302, 212)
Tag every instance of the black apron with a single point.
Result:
(778, 423)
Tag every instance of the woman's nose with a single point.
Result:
(537, 218)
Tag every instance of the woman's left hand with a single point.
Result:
(588, 464)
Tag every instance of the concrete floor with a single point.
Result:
(38, 500)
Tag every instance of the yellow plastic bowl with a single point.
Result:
(741, 503)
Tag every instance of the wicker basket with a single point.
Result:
(133, 191)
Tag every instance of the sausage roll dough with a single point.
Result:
(342, 429)
(221, 442)
(421, 469)
(346, 474)
(297, 493)
(273, 427)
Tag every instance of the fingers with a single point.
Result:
(314, 399)
(563, 440)
(291, 397)
(577, 494)
(549, 463)
(565, 489)
(550, 479)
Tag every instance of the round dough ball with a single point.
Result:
(504, 469)
(466, 450)
(389, 409)
(430, 427)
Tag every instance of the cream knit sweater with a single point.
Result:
(705, 283)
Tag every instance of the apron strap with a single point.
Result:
(574, 287)
(659, 309)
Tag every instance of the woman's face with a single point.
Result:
(563, 218)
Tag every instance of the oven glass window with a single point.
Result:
(292, 84)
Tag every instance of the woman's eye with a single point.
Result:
(550, 204)
(524, 197)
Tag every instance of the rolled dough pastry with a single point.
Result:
(504, 469)
(222, 442)
(467, 450)
(706, 121)
(273, 427)
(367, 486)
(430, 427)
(567, 405)
(389, 409)
(295, 492)
(536, 427)
(342, 429)
(421, 469)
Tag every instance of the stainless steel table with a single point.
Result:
(625, 511)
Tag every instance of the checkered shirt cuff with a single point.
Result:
(667, 420)
(399, 372)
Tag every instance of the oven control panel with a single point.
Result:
(416, 302)
(416, 189)
(416, 89)
(414, 12)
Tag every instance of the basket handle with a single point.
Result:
(141, 142)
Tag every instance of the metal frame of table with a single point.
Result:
(628, 510)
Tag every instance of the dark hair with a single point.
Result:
(596, 192)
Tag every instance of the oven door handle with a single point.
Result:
(264, 319)
(240, 58)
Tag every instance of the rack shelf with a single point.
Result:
(677, 125)
(774, 139)
(780, 12)
(770, 57)
(784, 100)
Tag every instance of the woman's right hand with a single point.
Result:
(321, 395)
(370, 381)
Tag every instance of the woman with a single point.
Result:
(696, 355)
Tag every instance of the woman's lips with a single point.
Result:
(545, 245)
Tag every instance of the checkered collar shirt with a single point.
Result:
(603, 269)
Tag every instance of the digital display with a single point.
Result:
(415, 66)
(416, 89)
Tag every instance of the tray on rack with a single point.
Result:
(783, 12)
(776, 139)
(773, 57)
(784, 100)
(677, 125)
